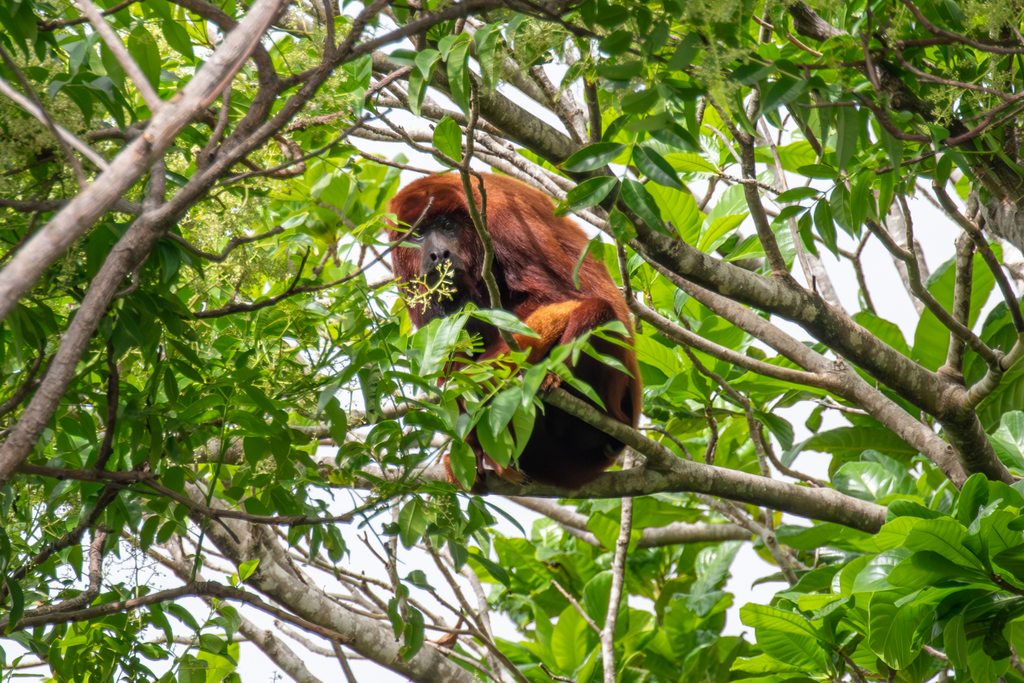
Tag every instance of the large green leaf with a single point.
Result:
(892, 627)
(571, 640)
(143, 48)
(849, 442)
(875, 574)
(931, 338)
(593, 157)
(680, 209)
(945, 537)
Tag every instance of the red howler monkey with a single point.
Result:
(535, 255)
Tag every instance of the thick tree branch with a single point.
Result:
(964, 273)
(281, 580)
(931, 393)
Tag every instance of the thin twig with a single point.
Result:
(986, 253)
(618, 570)
(349, 676)
(922, 293)
(478, 214)
(576, 605)
(228, 248)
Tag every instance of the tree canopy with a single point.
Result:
(212, 392)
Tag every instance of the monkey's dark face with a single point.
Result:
(442, 268)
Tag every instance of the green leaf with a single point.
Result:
(639, 200)
(954, 640)
(486, 39)
(842, 210)
(446, 44)
(796, 194)
(113, 67)
(439, 344)
(862, 201)
(17, 597)
(784, 636)
(523, 420)
(616, 43)
(246, 569)
(763, 664)
(504, 320)
(448, 138)
(680, 208)
(752, 72)
(682, 59)
(685, 162)
(503, 406)
(417, 91)
(571, 640)
(783, 91)
(413, 633)
(463, 463)
(412, 522)
(875, 574)
(622, 227)
(595, 596)
(654, 166)
(850, 442)
(772, 618)
(973, 497)
(868, 481)
(847, 132)
(677, 137)
(822, 171)
(425, 62)
(826, 228)
(495, 570)
(177, 37)
(750, 248)
(931, 338)
(497, 444)
(719, 229)
(885, 330)
(640, 102)
(622, 71)
(593, 156)
(458, 75)
(338, 420)
(893, 147)
(144, 50)
(886, 192)
(945, 537)
(664, 128)
(806, 236)
(588, 193)
(926, 568)
(891, 628)
(1008, 440)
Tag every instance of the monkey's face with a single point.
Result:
(443, 270)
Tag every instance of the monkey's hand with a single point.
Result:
(551, 382)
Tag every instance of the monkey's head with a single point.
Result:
(439, 265)
(442, 273)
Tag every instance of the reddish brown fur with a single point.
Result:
(536, 253)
